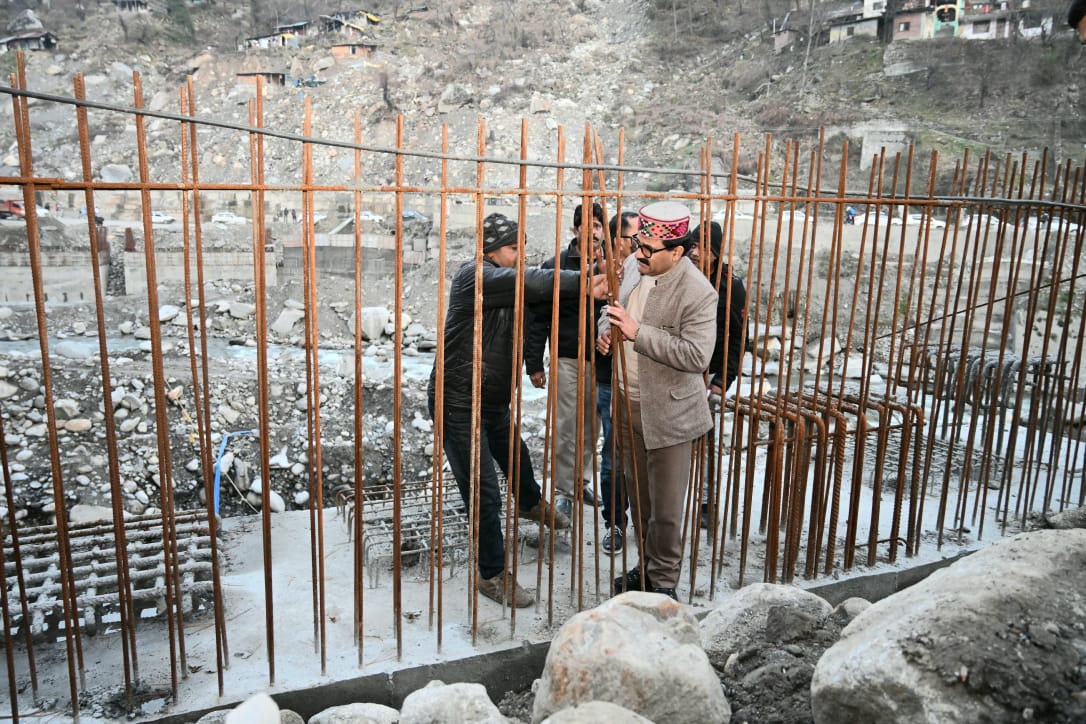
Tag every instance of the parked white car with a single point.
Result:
(916, 219)
(365, 215)
(228, 217)
(157, 217)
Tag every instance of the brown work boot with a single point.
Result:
(502, 588)
(561, 521)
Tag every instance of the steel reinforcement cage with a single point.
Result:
(912, 372)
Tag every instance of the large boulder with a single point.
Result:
(367, 713)
(593, 712)
(438, 702)
(997, 636)
(760, 612)
(638, 650)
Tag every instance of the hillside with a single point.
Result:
(669, 73)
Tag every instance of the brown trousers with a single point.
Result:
(657, 498)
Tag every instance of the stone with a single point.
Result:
(79, 514)
(276, 504)
(257, 709)
(1074, 518)
(72, 349)
(286, 321)
(142, 333)
(229, 414)
(301, 498)
(367, 713)
(116, 172)
(79, 424)
(65, 409)
(640, 650)
(463, 702)
(29, 384)
(167, 312)
(39, 430)
(373, 322)
(850, 608)
(990, 637)
(743, 617)
(280, 459)
(242, 310)
(454, 96)
(7, 389)
(539, 104)
(592, 712)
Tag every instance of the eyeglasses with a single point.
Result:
(635, 243)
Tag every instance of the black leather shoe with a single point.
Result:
(589, 496)
(670, 592)
(631, 581)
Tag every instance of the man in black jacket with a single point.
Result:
(499, 280)
(731, 334)
(575, 340)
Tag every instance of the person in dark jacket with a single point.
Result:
(499, 280)
(576, 337)
(731, 332)
(1076, 18)
(613, 493)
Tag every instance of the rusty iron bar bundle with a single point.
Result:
(901, 385)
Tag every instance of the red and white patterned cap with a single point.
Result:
(664, 220)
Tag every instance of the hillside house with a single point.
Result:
(914, 24)
(986, 22)
(344, 51)
(131, 6)
(349, 23)
(271, 79)
(852, 25)
(34, 40)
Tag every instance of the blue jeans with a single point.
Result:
(494, 437)
(617, 516)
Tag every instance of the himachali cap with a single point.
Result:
(668, 221)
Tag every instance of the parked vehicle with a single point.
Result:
(228, 217)
(9, 209)
(365, 215)
(722, 215)
(916, 219)
(412, 215)
(157, 217)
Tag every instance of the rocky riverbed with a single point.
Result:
(79, 403)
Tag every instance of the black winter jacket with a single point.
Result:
(737, 329)
(499, 295)
(539, 322)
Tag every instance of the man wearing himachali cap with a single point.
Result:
(666, 317)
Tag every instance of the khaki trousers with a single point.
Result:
(568, 475)
(657, 497)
